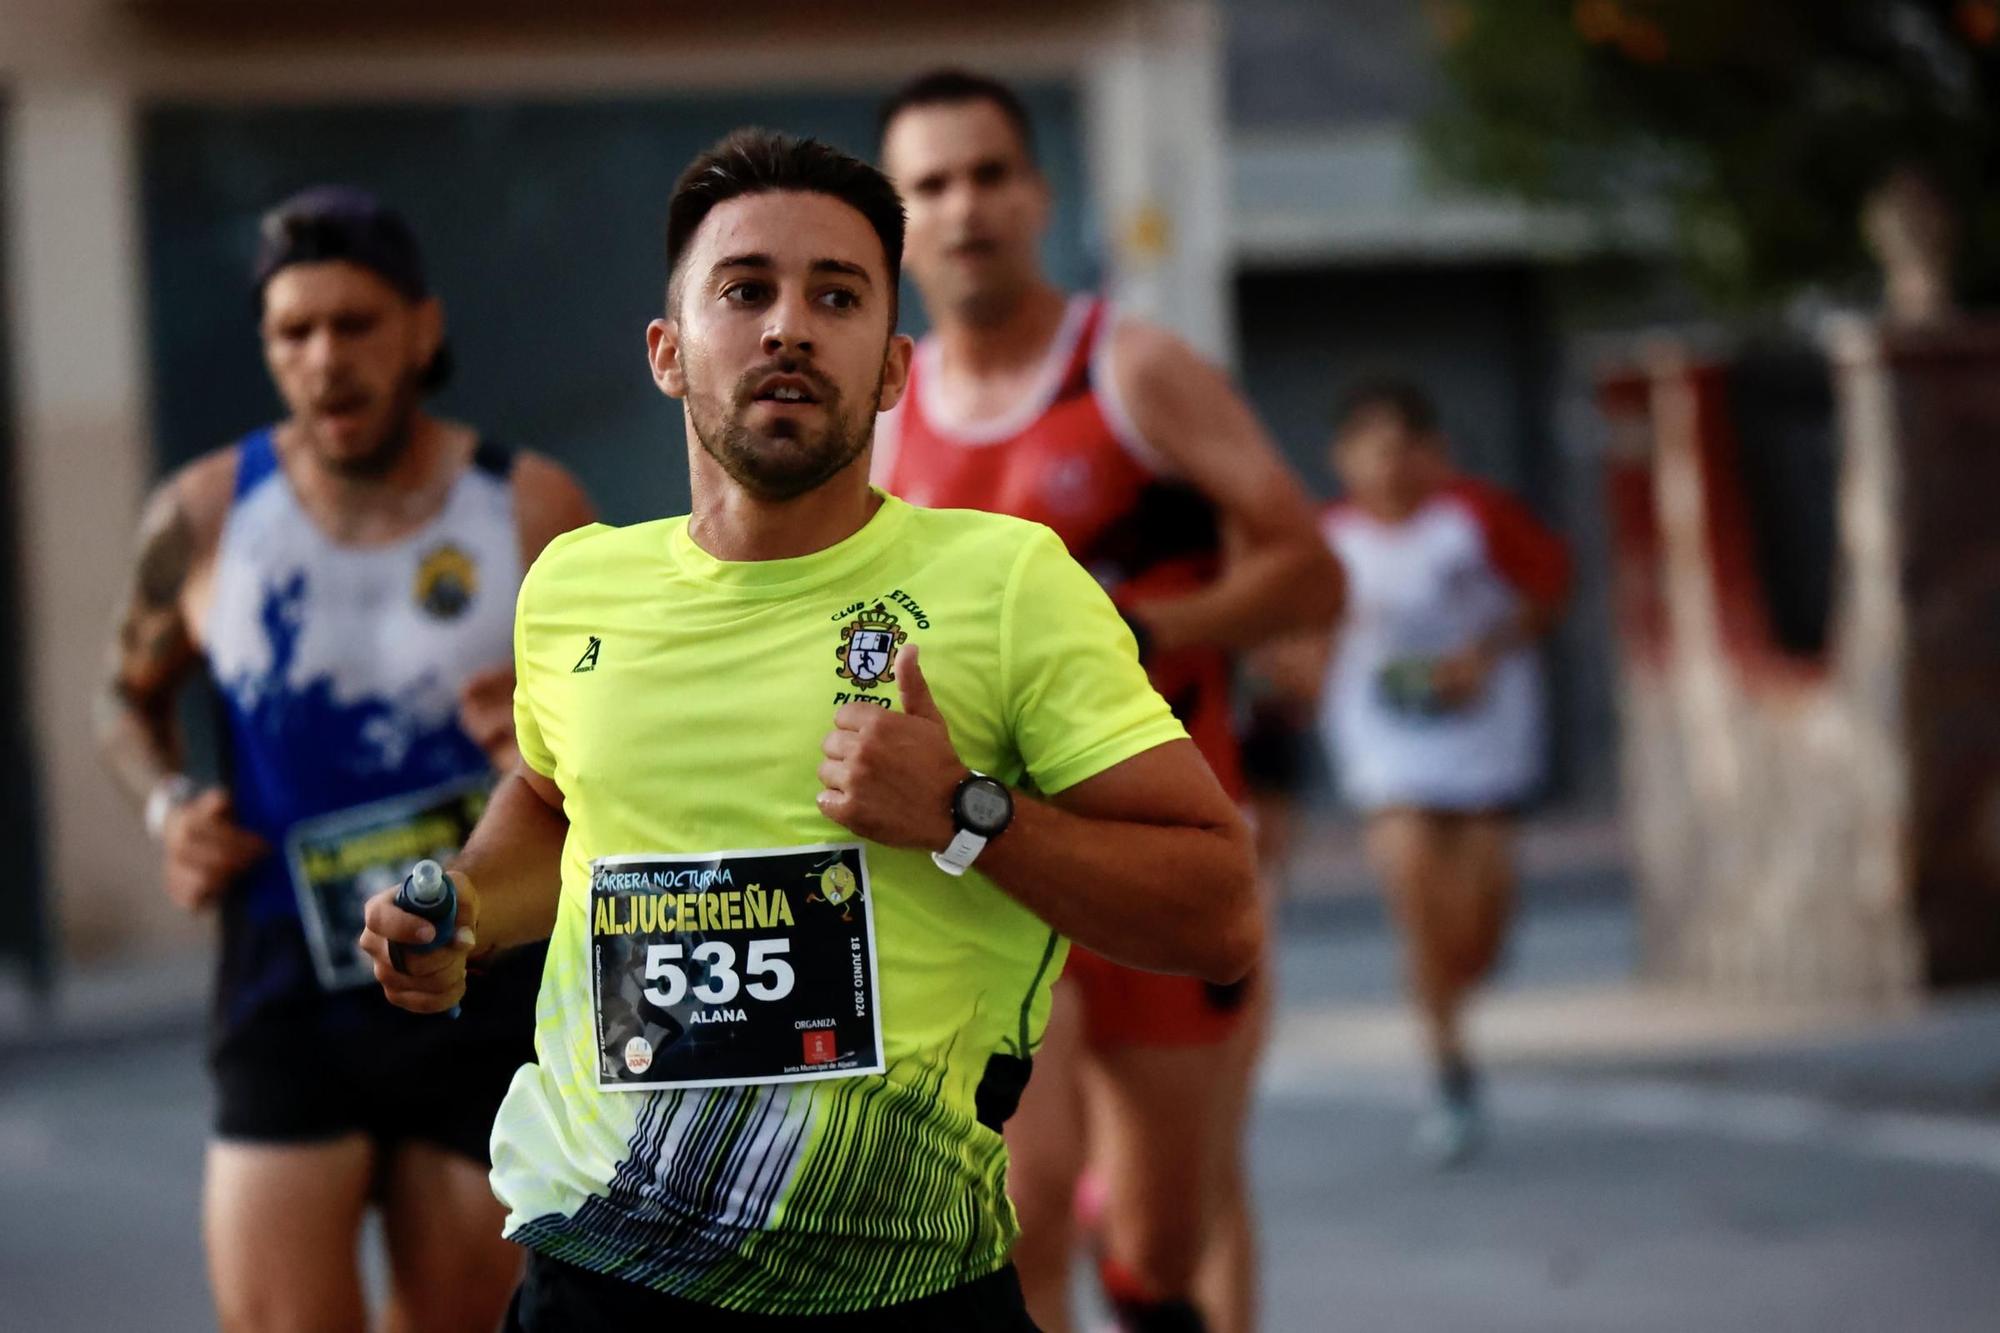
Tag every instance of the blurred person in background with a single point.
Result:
(1278, 686)
(1432, 707)
(1279, 729)
(1049, 405)
(347, 577)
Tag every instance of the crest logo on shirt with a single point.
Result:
(868, 646)
(446, 580)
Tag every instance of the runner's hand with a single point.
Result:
(486, 713)
(889, 776)
(1460, 678)
(206, 849)
(436, 980)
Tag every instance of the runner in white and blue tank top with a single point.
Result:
(340, 671)
(348, 578)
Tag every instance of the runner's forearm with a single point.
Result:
(140, 746)
(514, 860)
(1527, 622)
(1262, 593)
(1164, 898)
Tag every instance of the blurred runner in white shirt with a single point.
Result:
(1432, 710)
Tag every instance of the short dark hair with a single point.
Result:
(949, 87)
(754, 161)
(1406, 398)
(341, 223)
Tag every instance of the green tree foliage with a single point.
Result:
(1758, 126)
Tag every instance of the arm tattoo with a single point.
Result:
(165, 559)
(150, 655)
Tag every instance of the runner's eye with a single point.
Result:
(840, 298)
(746, 293)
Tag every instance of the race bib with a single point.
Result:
(728, 968)
(340, 861)
(1404, 687)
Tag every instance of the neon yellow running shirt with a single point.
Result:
(679, 702)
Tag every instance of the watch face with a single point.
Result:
(985, 806)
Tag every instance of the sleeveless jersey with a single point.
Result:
(1070, 458)
(339, 670)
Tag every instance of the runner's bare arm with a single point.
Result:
(514, 858)
(1148, 862)
(547, 503)
(1294, 667)
(508, 877)
(151, 653)
(155, 645)
(1277, 574)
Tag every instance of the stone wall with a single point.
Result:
(1825, 824)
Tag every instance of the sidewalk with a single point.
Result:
(1567, 1002)
(1566, 1022)
(107, 1002)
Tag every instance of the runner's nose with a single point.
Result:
(789, 329)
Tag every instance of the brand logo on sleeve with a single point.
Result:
(588, 662)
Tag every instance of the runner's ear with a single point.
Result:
(895, 371)
(663, 355)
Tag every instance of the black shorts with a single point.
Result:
(1277, 752)
(555, 1297)
(317, 1067)
(278, 1086)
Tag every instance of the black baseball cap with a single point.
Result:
(339, 222)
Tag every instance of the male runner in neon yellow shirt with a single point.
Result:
(807, 891)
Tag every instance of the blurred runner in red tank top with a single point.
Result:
(1142, 457)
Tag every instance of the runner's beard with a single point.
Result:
(399, 429)
(793, 457)
(989, 305)
(985, 300)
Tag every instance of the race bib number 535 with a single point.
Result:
(733, 967)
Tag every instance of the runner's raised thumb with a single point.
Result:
(912, 688)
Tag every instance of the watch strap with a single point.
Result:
(169, 794)
(956, 858)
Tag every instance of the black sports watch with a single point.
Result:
(981, 810)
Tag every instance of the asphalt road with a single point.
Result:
(1653, 1191)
